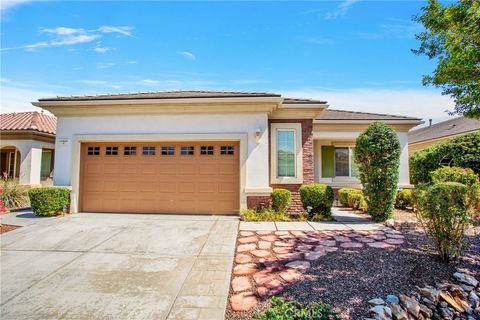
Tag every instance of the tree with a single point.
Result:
(377, 154)
(452, 37)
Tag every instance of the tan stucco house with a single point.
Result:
(203, 151)
(28, 147)
(422, 138)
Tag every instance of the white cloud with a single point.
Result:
(149, 82)
(101, 49)
(132, 62)
(187, 55)
(105, 65)
(101, 83)
(423, 104)
(124, 30)
(14, 99)
(62, 31)
(401, 29)
(8, 4)
(341, 10)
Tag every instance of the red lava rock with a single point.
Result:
(290, 275)
(246, 247)
(263, 277)
(264, 245)
(351, 245)
(282, 233)
(247, 233)
(242, 258)
(270, 238)
(264, 233)
(282, 250)
(365, 240)
(298, 264)
(343, 239)
(394, 241)
(380, 245)
(260, 253)
(244, 269)
(247, 240)
(328, 243)
(241, 284)
(312, 256)
(377, 237)
(243, 301)
(289, 257)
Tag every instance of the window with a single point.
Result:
(187, 150)
(111, 151)
(46, 165)
(93, 151)
(148, 150)
(206, 150)
(129, 151)
(227, 150)
(344, 162)
(168, 150)
(285, 153)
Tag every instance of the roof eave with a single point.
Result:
(368, 121)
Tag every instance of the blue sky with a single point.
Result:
(355, 54)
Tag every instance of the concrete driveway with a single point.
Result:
(117, 266)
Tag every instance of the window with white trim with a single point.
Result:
(344, 162)
(286, 163)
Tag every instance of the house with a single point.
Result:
(203, 151)
(28, 147)
(422, 138)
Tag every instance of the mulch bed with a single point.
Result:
(347, 279)
(7, 227)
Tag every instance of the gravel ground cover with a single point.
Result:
(345, 277)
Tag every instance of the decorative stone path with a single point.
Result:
(268, 260)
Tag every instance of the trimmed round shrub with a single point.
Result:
(49, 201)
(281, 199)
(404, 199)
(462, 151)
(445, 210)
(355, 200)
(344, 193)
(317, 196)
(377, 154)
(455, 174)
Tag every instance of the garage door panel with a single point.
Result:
(159, 183)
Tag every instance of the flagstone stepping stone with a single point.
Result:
(312, 256)
(263, 277)
(243, 258)
(243, 301)
(351, 245)
(260, 253)
(284, 244)
(287, 237)
(320, 249)
(395, 236)
(394, 241)
(274, 284)
(282, 233)
(380, 245)
(298, 233)
(298, 264)
(308, 240)
(277, 266)
(328, 243)
(241, 284)
(331, 249)
(270, 238)
(304, 247)
(290, 275)
(282, 250)
(264, 245)
(365, 240)
(343, 239)
(289, 257)
(246, 247)
(264, 233)
(247, 239)
(276, 287)
(247, 233)
(378, 232)
(244, 269)
(377, 237)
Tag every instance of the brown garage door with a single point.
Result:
(180, 177)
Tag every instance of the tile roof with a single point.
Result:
(331, 114)
(444, 129)
(28, 121)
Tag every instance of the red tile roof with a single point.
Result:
(28, 121)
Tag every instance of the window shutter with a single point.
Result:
(328, 161)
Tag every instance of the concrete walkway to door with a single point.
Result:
(117, 266)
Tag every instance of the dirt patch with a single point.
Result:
(347, 279)
(7, 227)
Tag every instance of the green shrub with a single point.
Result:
(293, 310)
(445, 210)
(462, 151)
(377, 154)
(268, 215)
(49, 201)
(13, 195)
(465, 176)
(404, 199)
(355, 200)
(281, 199)
(317, 196)
(343, 195)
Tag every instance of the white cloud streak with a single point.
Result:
(8, 4)
(14, 99)
(187, 55)
(123, 30)
(341, 10)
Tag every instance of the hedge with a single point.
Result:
(317, 196)
(462, 151)
(49, 201)
(281, 199)
(344, 193)
(404, 199)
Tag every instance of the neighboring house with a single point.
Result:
(203, 152)
(27, 147)
(422, 138)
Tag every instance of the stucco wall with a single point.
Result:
(72, 130)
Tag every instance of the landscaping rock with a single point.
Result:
(244, 269)
(429, 293)
(247, 240)
(260, 253)
(392, 299)
(397, 312)
(243, 258)
(380, 245)
(466, 279)
(264, 245)
(246, 247)
(243, 301)
(312, 256)
(298, 264)
(410, 304)
(241, 284)
(290, 275)
(263, 277)
(376, 301)
(351, 245)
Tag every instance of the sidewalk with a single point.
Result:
(345, 219)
